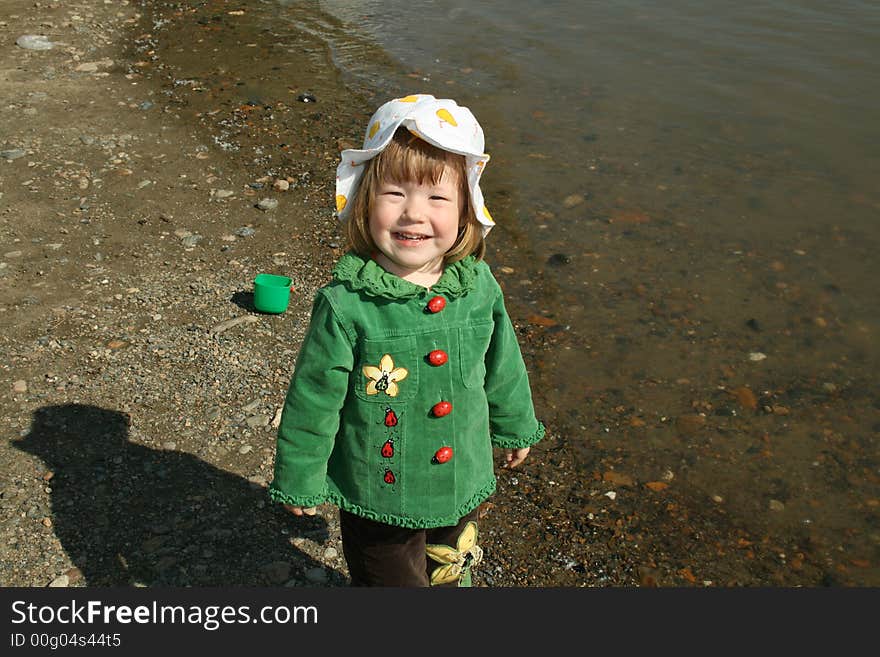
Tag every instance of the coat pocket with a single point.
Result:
(473, 344)
(387, 370)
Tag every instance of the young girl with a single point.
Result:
(410, 371)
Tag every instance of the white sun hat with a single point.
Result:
(440, 122)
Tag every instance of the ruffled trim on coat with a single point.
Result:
(388, 518)
(518, 443)
(417, 523)
(367, 276)
(296, 500)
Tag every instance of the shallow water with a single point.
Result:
(687, 227)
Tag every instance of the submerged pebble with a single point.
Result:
(34, 42)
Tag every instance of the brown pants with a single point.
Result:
(384, 555)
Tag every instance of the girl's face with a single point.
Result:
(414, 224)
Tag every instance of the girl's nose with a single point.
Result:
(413, 210)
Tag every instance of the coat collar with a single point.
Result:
(364, 274)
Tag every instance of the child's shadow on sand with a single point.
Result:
(128, 514)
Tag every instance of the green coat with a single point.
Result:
(360, 432)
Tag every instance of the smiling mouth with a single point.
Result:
(410, 237)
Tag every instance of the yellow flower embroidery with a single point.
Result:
(374, 129)
(341, 202)
(456, 562)
(385, 377)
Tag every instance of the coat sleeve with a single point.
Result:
(310, 418)
(512, 420)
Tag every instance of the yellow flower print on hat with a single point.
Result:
(341, 202)
(487, 215)
(385, 377)
(408, 99)
(447, 117)
(373, 130)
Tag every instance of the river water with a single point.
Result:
(687, 214)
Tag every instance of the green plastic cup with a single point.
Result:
(271, 293)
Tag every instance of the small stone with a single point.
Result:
(688, 425)
(47, 522)
(20, 386)
(331, 553)
(266, 204)
(281, 185)
(745, 398)
(191, 240)
(251, 406)
(572, 200)
(245, 231)
(776, 505)
(222, 193)
(12, 154)
(62, 581)
(757, 356)
(611, 495)
(558, 259)
(34, 42)
(245, 449)
(258, 420)
(717, 499)
(74, 575)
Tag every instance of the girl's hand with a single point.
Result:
(513, 457)
(300, 511)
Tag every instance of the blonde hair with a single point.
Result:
(409, 158)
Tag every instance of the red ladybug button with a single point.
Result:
(436, 304)
(441, 408)
(443, 455)
(438, 357)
